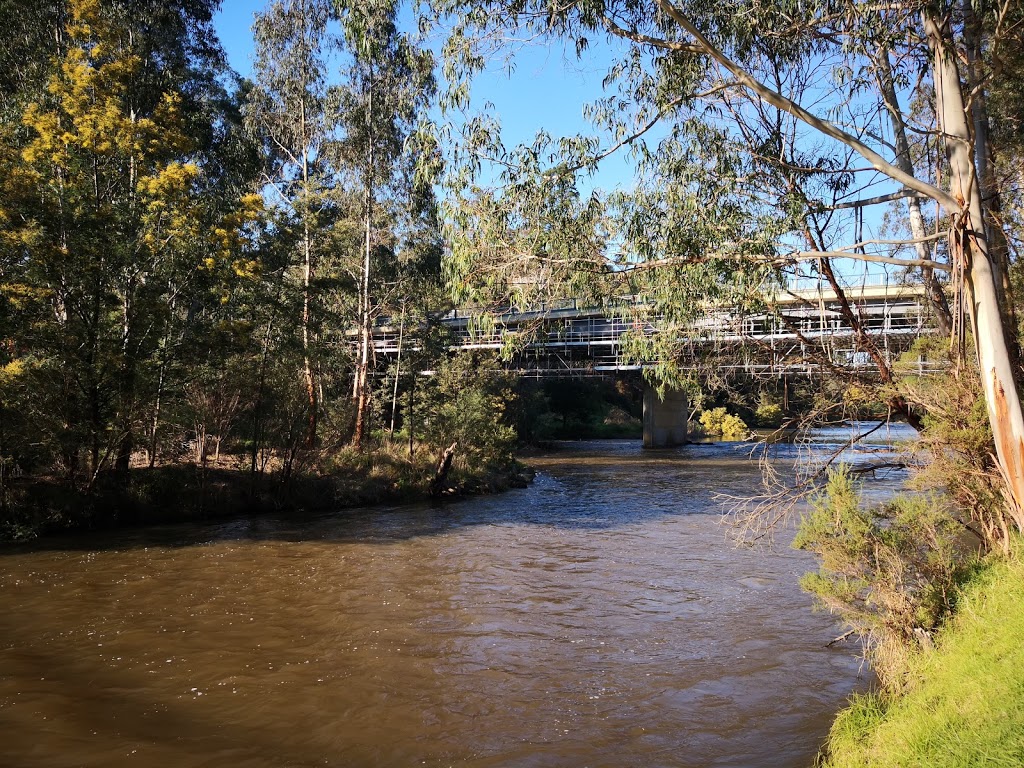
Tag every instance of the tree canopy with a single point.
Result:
(763, 133)
(183, 253)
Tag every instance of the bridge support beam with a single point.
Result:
(665, 420)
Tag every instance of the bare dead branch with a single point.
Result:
(901, 195)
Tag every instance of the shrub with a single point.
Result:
(890, 571)
(718, 422)
(957, 443)
(470, 401)
(768, 415)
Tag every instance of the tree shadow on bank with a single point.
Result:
(579, 486)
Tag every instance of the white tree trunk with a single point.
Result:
(398, 371)
(980, 287)
(365, 326)
(307, 273)
(904, 163)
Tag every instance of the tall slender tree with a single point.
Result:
(383, 93)
(287, 109)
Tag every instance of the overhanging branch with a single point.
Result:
(786, 260)
(656, 42)
(903, 193)
(871, 257)
(779, 101)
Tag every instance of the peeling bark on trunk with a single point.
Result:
(981, 277)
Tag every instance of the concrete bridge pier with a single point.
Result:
(665, 420)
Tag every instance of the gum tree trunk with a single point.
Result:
(903, 160)
(981, 288)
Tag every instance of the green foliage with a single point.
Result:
(384, 92)
(104, 235)
(963, 705)
(718, 421)
(889, 571)
(470, 401)
(151, 309)
(741, 166)
(538, 239)
(957, 439)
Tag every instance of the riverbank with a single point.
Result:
(186, 492)
(963, 704)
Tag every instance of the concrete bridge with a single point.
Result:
(563, 338)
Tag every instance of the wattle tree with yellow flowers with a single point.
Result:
(114, 235)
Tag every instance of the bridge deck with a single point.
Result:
(563, 337)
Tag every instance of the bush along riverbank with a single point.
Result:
(459, 438)
(941, 617)
(182, 492)
(962, 703)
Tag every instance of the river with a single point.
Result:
(600, 617)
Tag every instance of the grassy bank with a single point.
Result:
(183, 491)
(963, 703)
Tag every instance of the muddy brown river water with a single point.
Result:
(600, 617)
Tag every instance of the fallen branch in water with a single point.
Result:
(444, 464)
(839, 639)
(875, 467)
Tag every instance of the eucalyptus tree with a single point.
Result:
(287, 109)
(381, 96)
(1006, 110)
(29, 31)
(812, 79)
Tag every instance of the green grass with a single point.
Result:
(963, 706)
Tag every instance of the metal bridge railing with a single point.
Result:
(591, 338)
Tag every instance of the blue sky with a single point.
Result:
(547, 89)
(234, 26)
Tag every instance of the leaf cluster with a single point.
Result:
(717, 421)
